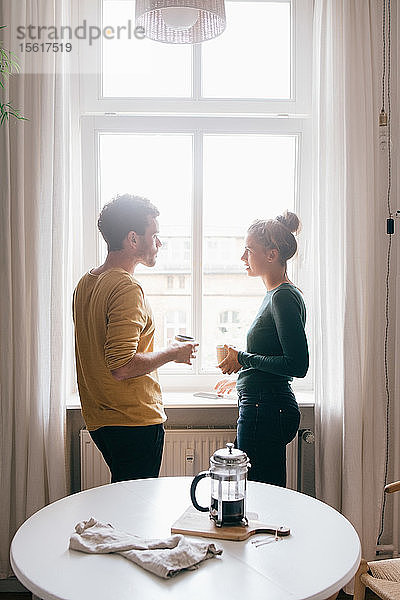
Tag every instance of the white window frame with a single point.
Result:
(298, 105)
(94, 126)
(200, 116)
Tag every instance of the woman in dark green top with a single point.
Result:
(276, 352)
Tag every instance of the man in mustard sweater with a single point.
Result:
(114, 338)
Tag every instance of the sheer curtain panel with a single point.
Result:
(35, 291)
(350, 246)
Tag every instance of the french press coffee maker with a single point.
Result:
(228, 473)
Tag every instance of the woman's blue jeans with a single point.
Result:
(268, 420)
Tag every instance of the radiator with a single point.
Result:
(186, 452)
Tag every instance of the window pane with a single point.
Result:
(158, 167)
(245, 177)
(140, 67)
(251, 59)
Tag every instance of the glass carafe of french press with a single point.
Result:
(228, 473)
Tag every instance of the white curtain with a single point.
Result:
(350, 245)
(35, 294)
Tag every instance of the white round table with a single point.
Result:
(319, 557)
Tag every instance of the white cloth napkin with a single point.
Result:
(166, 558)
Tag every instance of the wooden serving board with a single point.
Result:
(194, 522)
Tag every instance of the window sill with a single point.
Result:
(187, 400)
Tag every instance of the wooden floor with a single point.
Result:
(342, 596)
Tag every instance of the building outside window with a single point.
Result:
(175, 324)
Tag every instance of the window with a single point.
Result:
(228, 317)
(256, 40)
(154, 69)
(230, 323)
(175, 323)
(216, 136)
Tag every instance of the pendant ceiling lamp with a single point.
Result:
(181, 21)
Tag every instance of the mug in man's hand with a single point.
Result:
(184, 338)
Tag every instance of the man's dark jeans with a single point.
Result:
(131, 452)
(268, 420)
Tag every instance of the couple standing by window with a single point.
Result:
(117, 366)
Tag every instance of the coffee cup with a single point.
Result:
(222, 353)
(184, 338)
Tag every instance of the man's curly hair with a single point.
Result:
(124, 214)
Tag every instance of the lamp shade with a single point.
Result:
(181, 21)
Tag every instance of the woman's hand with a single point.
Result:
(230, 364)
(224, 386)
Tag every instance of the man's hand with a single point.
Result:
(230, 364)
(184, 352)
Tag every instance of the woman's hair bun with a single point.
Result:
(289, 220)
